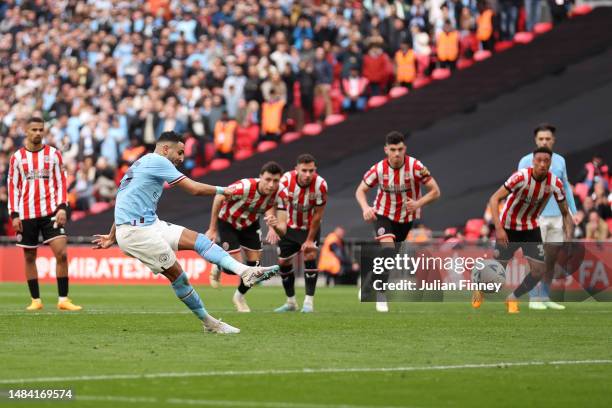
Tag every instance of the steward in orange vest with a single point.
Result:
(224, 133)
(447, 45)
(405, 65)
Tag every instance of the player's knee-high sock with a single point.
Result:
(288, 277)
(34, 289)
(188, 295)
(242, 288)
(62, 286)
(215, 254)
(311, 273)
(528, 283)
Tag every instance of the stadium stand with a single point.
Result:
(123, 72)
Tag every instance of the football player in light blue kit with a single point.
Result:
(551, 221)
(140, 234)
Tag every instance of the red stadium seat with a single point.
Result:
(482, 55)
(243, 154)
(334, 119)
(523, 37)
(441, 73)
(199, 172)
(376, 101)
(266, 145)
(219, 164)
(581, 190)
(421, 82)
(77, 215)
(398, 91)
(290, 137)
(541, 28)
(609, 221)
(312, 129)
(464, 63)
(581, 10)
(209, 152)
(98, 207)
(503, 45)
(473, 226)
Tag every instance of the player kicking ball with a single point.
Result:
(528, 190)
(305, 195)
(398, 201)
(235, 217)
(140, 234)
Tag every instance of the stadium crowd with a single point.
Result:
(110, 76)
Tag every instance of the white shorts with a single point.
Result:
(154, 245)
(551, 229)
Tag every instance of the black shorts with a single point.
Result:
(233, 239)
(291, 243)
(32, 229)
(530, 241)
(384, 228)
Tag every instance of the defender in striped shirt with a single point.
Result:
(528, 190)
(37, 204)
(305, 196)
(236, 219)
(398, 200)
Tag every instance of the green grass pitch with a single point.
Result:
(138, 346)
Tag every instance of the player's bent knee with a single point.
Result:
(173, 272)
(30, 255)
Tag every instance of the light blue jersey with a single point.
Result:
(141, 187)
(557, 167)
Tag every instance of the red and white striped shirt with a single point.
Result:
(395, 186)
(527, 199)
(301, 201)
(247, 203)
(36, 183)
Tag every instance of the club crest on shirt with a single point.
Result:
(381, 231)
(19, 238)
(225, 246)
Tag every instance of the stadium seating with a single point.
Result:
(334, 119)
(482, 55)
(377, 101)
(541, 28)
(440, 74)
(312, 129)
(266, 145)
(219, 164)
(398, 91)
(523, 37)
(290, 137)
(501, 46)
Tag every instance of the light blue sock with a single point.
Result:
(188, 295)
(215, 254)
(534, 294)
(545, 290)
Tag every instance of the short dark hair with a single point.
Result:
(394, 137)
(306, 158)
(543, 150)
(170, 136)
(544, 127)
(35, 119)
(272, 168)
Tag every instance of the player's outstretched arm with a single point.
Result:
(499, 195)
(105, 241)
(200, 189)
(361, 195)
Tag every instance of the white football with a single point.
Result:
(491, 272)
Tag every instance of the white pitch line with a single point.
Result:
(297, 371)
(223, 403)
